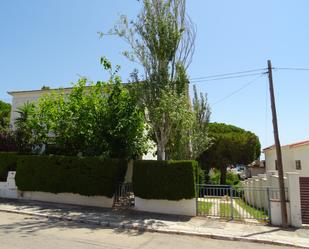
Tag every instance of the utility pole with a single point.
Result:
(278, 148)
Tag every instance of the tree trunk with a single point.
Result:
(223, 174)
(161, 152)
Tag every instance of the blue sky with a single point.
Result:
(52, 42)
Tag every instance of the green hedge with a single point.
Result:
(63, 174)
(168, 180)
(7, 163)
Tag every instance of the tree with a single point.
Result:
(162, 41)
(5, 111)
(93, 119)
(230, 145)
(191, 129)
(23, 124)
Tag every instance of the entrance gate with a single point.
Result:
(124, 196)
(230, 203)
(304, 198)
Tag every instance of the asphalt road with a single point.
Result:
(29, 232)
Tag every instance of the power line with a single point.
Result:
(291, 68)
(228, 74)
(229, 77)
(238, 90)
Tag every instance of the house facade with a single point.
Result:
(19, 98)
(295, 158)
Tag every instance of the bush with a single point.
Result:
(8, 142)
(168, 180)
(232, 178)
(64, 174)
(7, 163)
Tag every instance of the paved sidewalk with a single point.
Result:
(161, 223)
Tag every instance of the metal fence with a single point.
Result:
(238, 203)
(124, 196)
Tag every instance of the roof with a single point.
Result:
(40, 90)
(294, 145)
(48, 90)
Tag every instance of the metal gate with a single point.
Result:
(124, 196)
(230, 203)
(304, 198)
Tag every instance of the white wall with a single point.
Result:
(289, 155)
(20, 98)
(262, 190)
(181, 207)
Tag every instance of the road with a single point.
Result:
(22, 231)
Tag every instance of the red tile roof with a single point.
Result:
(294, 145)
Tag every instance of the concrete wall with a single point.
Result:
(289, 155)
(262, 192)
(9, 189)
(182, 207)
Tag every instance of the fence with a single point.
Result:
(241, 203)
(124, 196)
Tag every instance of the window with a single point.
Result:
(298, 164)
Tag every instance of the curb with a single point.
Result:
(109, 224)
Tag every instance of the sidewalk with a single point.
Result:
(196, 226)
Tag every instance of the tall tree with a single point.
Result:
(162, 42)
(230, 145)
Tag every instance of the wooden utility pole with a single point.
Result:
(278, 148)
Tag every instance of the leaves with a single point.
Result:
(93, 119)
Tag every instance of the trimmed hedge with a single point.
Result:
(62, 174)
(167, 180)
(8, 162)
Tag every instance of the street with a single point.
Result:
(22, 231)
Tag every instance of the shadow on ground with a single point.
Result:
(83, 217)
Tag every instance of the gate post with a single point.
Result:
(231, 196)
(269, 207)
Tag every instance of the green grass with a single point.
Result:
(225, 211)
(204, 207)
(255, 213)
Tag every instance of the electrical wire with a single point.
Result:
(238, 90)
(225, 78)
(228, 74)
(291, 68)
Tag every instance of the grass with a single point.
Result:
(255, 213)
(204, 207)
(225, 211)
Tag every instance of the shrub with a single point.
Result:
(169, 180)
(7, 163)
(64, 174)
(8, 142)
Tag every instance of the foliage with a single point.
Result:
(231, 145)
(23, 127)
(63, 174)
(5, 111)
(200, 138)
(8, 142)
(7, 163)
(168, 180)
(162, 41)
(232, 179)
(94, 119)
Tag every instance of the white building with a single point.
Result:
(295, 158)
(19, 98)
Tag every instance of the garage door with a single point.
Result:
(304, 198)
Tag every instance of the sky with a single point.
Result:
(54, 42)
